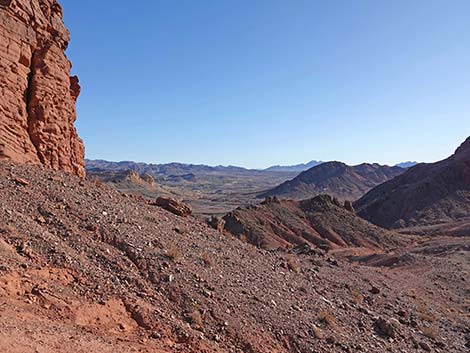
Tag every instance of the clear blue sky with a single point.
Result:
(262, 82)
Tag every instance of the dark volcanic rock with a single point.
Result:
(426, 194)
(335, 178)
(216, 223)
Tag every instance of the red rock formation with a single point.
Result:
(174, 206)
(37, 95)
(318, 222)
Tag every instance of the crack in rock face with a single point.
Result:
(38, 96)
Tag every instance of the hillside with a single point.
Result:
(334, 178)
(86, 269)
(88, 264)
(317, 222)
(426, 194)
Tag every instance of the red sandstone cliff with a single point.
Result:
(37, 95)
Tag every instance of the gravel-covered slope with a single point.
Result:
(86, 269)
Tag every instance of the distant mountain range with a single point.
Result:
(406, 164)
(305, 166)
(183, 168)
(335, 178)
(159, 169)
(294, 168)
(426, 194)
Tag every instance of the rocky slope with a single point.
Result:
(86, 269)
(38, 96)
(334, 178)
(426, 194)
(319, 222)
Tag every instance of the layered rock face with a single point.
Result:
(37, 95)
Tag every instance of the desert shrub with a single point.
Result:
(7, 229)
(207, 259)
(423, 312)
(356, 296)
(430, 332)
(174, 253)
(194, 318)
(327, 318)
(293, 264)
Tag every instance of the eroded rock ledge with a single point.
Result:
(37, 95)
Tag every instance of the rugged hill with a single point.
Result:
(334, 178)
(426, 194)
(318, 222)
(86, 269)
(130, 182)
(293, 168)
(37, 103)
(126, 180)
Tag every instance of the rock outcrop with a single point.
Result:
(179, 208)
(318, 222)
(37, 95)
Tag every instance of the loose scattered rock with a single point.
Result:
(385, 327)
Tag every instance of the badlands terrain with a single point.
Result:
(107, 257)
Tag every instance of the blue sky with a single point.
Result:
(262, 82)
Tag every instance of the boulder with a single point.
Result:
(349, 206)
(216, 223)
(386, 327)
(174, 206)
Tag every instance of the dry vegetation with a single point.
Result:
(293, 264)
(327, 318)
(424, 313)
(356, 297)
(174, 253)
(207, 259)
(430, 332)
